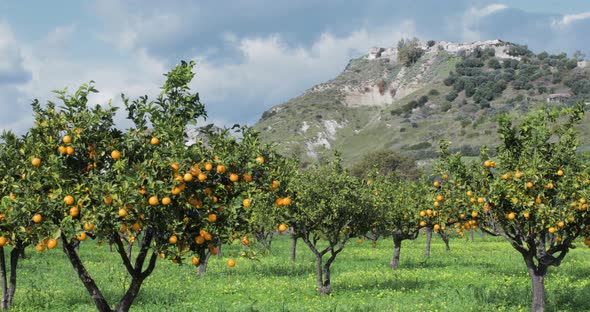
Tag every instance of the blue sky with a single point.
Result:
(251, 54)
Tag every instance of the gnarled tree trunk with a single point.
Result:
(8, 289)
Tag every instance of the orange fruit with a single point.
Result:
(81, 236)
(62, 150)
(422, 223)
(220, 168)
(474, 214)
(487, 163)
(469, 193)
(275, 185)
(36, 162)
(115, 154)
(166, 200)
(88, 227)
(231, 263)
(208, 166)
(40, 248)
(69, 200)
(70, 150)
(153, 200)
(175, 166)
(286, 201)
(123, 228)
(247, 177)
(511, 216)
(108, 200)
(246, 202)
(195, 260)
(422, 213)
(74, 211)
(199, 240)
(436, 184)
(439, 198)
(51, 243)
(429, 212)
(154, 141)
(233, 177)
(260, 160)
(187, 177)
(360, 240)
(526, 215)
(173, 239)
(175, 191)
(283, 227)
(552, 230)
(560, 172)
(212, 217)
(245, 241)
(529, 184)
(66, 139)
(436, 227)
(2, 241)
(202, 177)
(37, 218)
(136, 226)
(122, 212)
(560, 224)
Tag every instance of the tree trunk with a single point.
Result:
(293, 249)
(428, 241)
(323, 276)
(471, 234)
(397, 246)
(538, 285)
(445, 239)
(129, 249)
(327, 286)
(99, 300)
(8, 289)
(219, 249)
(203, 265)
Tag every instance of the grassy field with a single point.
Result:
(485, 275)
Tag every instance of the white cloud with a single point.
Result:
(568, 19)
(11, 60)
(271, 71)
(472, 16)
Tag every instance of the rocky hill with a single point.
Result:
(451, 91)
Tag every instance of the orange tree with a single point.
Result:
(456, 191)
(11, 219)
(236, 175)
(63, 152)
(269, 195)
(179, 201)
(398, 204)
(535, 197)
(330, 207)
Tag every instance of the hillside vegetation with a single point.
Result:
(451, 91)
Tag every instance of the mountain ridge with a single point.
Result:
(451, 91)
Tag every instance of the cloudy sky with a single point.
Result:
(251, 54)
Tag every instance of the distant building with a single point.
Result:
(558, 97)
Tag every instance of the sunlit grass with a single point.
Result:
(485, 275)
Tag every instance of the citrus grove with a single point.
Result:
(74, 177)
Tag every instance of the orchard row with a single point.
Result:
(74, 176)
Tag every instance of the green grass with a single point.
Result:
(474, 276)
